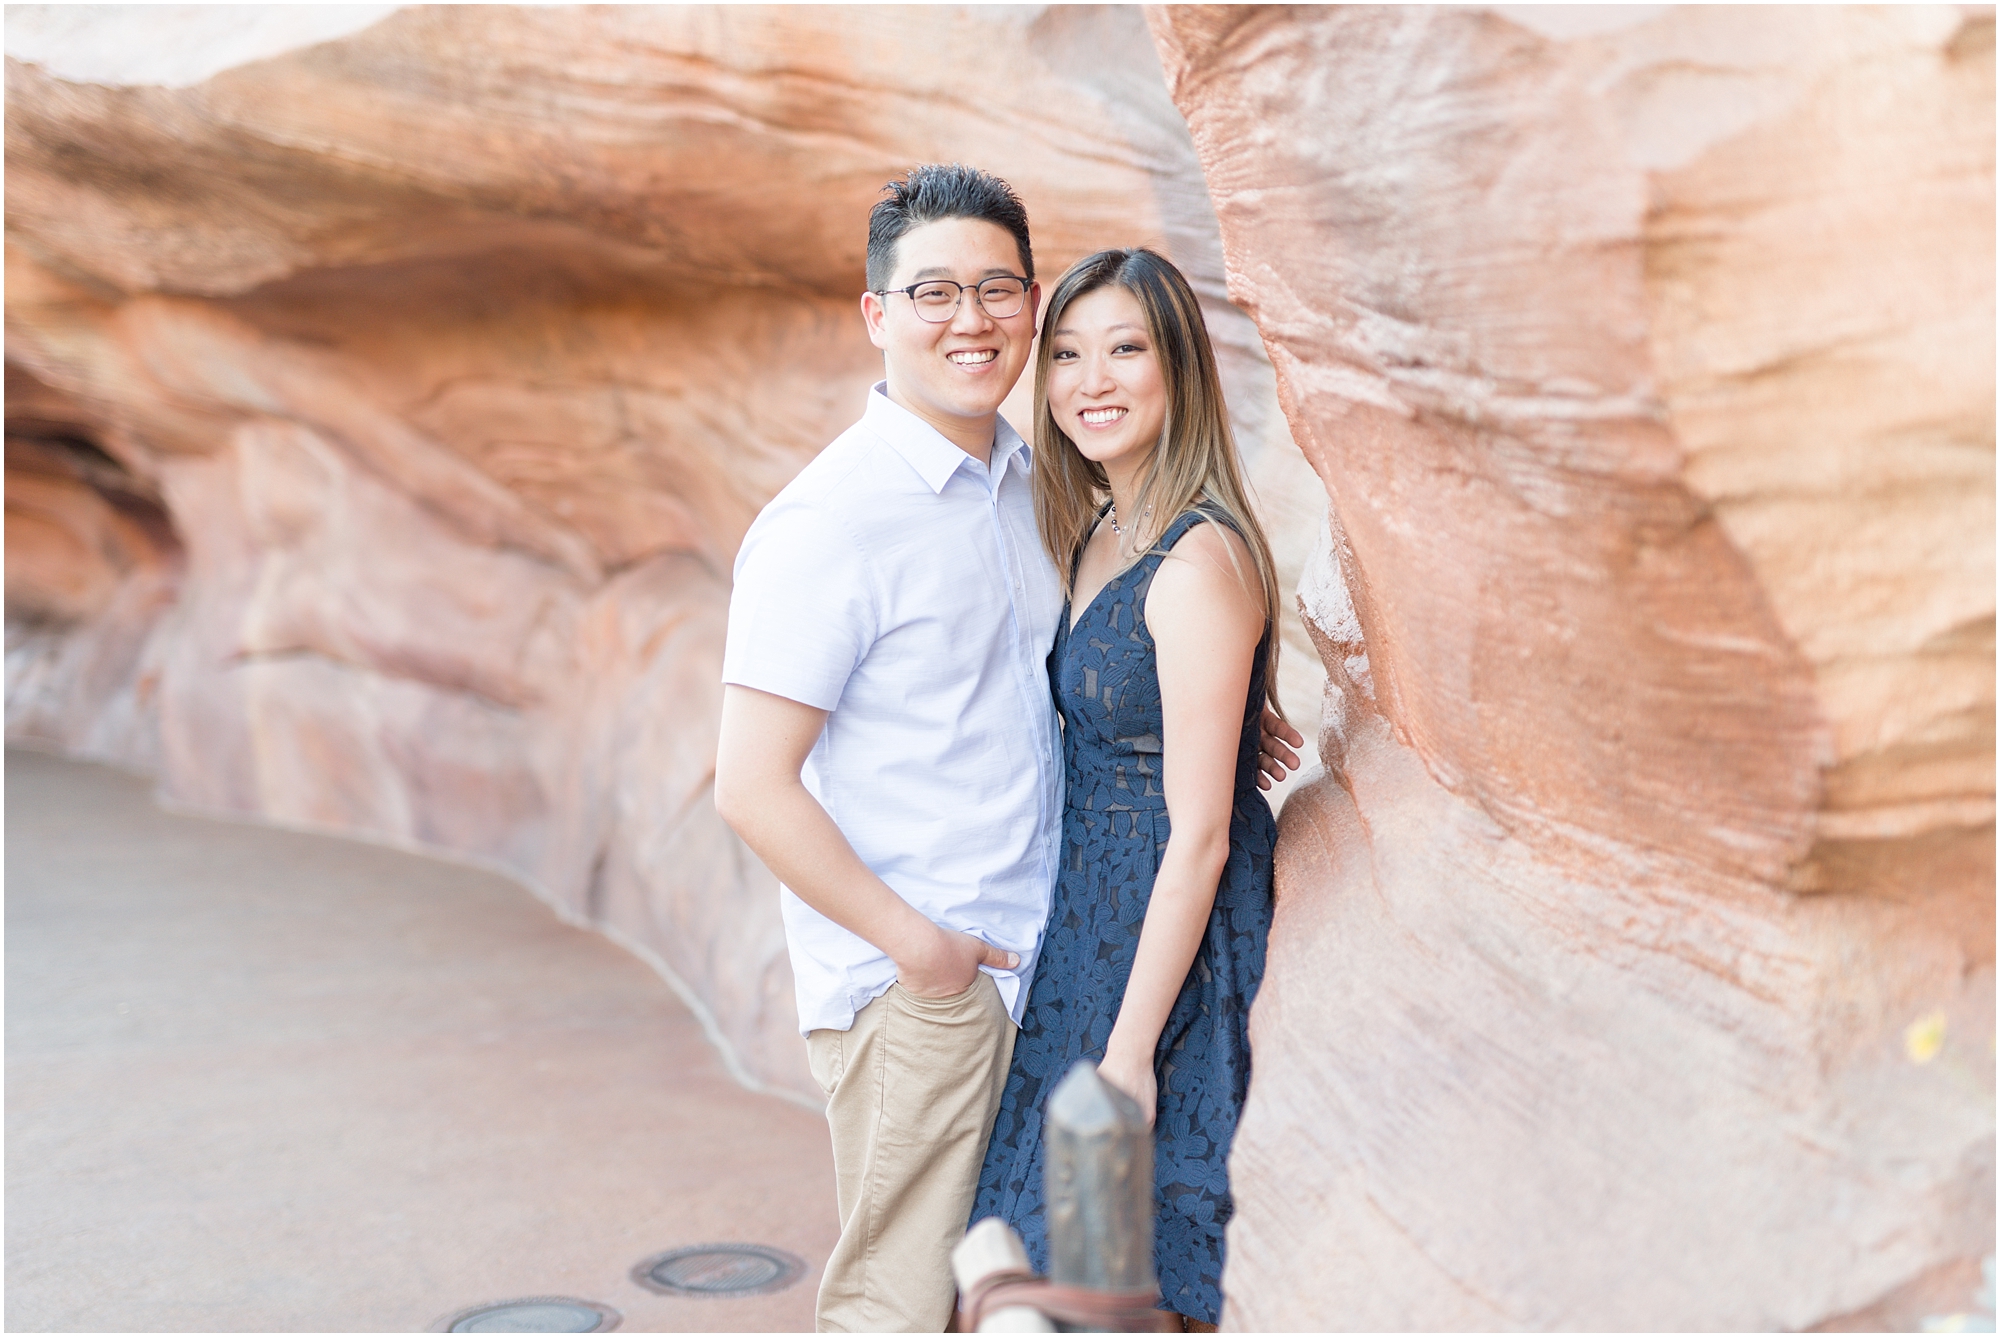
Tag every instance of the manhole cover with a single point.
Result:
(537, 1313)
(720, 1269)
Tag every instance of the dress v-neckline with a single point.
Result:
(1102, 590)
(1070, 624)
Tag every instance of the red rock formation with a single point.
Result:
(385, 405)
(461, 350)
(1634, 960)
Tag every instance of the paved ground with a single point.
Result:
(259, 1081)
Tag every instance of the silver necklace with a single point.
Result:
(1114, 518)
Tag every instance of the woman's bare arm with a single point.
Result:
(1206, 614)
(764, 744)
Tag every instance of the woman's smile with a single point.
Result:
(1104, 379)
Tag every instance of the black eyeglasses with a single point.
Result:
(936, 300)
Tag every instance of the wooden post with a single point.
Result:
(1100, 1185)
(992, 1246)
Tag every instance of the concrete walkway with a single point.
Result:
(259, 1081)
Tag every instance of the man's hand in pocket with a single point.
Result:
(948, 963)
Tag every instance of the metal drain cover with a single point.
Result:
(720, 1270)
(537, 1313)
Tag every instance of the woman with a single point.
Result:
(1161, 665)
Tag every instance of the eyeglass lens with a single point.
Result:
(938, 302)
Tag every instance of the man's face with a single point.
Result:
(955, 373)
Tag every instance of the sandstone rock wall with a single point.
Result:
(387, 397)
(447, 359)
(1634, 959)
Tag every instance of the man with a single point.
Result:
(889, 748)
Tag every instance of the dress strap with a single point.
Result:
(1174, 533)
(1178, 530)
(1076, 558)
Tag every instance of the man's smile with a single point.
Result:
(973, 357)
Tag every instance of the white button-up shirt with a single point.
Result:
(901, 586)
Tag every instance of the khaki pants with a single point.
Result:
(911, 1094)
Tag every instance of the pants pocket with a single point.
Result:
(826, 1052)
(938, 1006)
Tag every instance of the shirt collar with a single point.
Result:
(925, 448)
(1009, 445)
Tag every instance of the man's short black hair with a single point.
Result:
(942, 190)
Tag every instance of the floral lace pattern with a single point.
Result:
(1107, 686)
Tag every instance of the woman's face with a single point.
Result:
(1105, 386)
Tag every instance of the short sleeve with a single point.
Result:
(802, 613)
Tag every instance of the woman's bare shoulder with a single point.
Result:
(1209, 571)
(1215, 542)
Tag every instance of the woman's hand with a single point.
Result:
(1134, 1076)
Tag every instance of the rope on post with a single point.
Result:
(1078, 1308)
(989, 1256)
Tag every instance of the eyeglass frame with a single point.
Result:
(1027, 286)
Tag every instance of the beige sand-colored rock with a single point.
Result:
(1647, 360)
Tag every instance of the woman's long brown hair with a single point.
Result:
(1195, 466)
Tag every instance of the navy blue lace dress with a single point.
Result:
(1107, 686)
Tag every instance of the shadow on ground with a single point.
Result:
(262, 1081)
